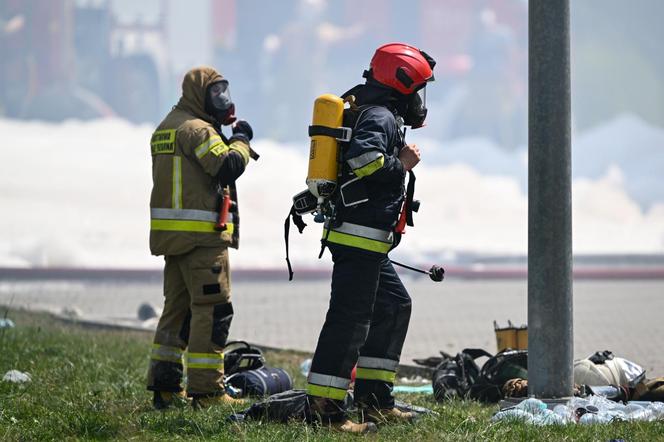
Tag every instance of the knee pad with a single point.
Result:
(222, 315)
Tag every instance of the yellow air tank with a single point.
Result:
(323, 166)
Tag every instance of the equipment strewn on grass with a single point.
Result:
(88, 384)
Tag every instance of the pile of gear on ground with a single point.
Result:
(607, 388)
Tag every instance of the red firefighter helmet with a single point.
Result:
(401, 67)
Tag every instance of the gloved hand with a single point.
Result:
(242, 131)
(436, 273)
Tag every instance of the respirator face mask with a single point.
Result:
(218, 103)
(416, 109)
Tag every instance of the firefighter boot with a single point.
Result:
(348, 426)
(387, 416)
(329, 413)
(162, 400)
(203, 402)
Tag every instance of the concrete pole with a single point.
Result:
(550, 343)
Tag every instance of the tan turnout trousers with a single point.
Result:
(194, 325)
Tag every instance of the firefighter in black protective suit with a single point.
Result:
(369, 309)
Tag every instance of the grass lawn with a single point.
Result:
(89, 384)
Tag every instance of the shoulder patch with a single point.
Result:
(163, 142)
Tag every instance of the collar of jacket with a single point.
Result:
(194, 85)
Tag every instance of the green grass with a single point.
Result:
(89, 384)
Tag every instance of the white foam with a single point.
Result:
(76, 194)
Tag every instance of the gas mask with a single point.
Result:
(218, 103)
(416, 109)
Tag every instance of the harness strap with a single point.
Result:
(339, 133)
(300, 224)
(410, 192)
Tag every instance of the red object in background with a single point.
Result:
(352, 374)
(224, 23)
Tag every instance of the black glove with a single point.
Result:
(242, 131)
(436, 273)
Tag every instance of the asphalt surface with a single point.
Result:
(621, 316)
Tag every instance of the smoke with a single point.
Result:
(76, 194)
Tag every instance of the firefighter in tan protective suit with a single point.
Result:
(193, 165)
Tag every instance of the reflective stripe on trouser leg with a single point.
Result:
(354, 284)
(376, 369)
(327, 386)
(212, 361)
(379, 357)
(165, 369)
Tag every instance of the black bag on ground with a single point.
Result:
(241, 356)
(291, 405)
(263, 381)
(502, 367)
(455, 376)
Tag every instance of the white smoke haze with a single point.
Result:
(76, 195)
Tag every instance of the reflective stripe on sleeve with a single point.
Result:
(219, 149)
(207, 145)
(166, 353)
(380, 363)
(362, 160)
(177, 182)
(322, 385)
(375, 374)
(367, 163)
(213, 361)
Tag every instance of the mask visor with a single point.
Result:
(220, 96)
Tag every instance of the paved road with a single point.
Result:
(622, 316)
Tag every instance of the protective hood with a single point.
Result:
(194, 86)
(412, 108)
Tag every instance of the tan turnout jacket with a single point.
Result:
(187, 153)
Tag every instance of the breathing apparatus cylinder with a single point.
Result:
(324, 150)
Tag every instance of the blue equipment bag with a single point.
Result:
(263, 381)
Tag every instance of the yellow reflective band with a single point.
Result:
(242, 151)
(163, 142)
(177, 182)
(204, 147)
(357, 241)
(375, 375)
(166, 353)
(326, 392)
(172, 225)
(219, 149)
(370, 168)
(213, 361)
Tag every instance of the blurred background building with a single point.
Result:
(82, 59)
